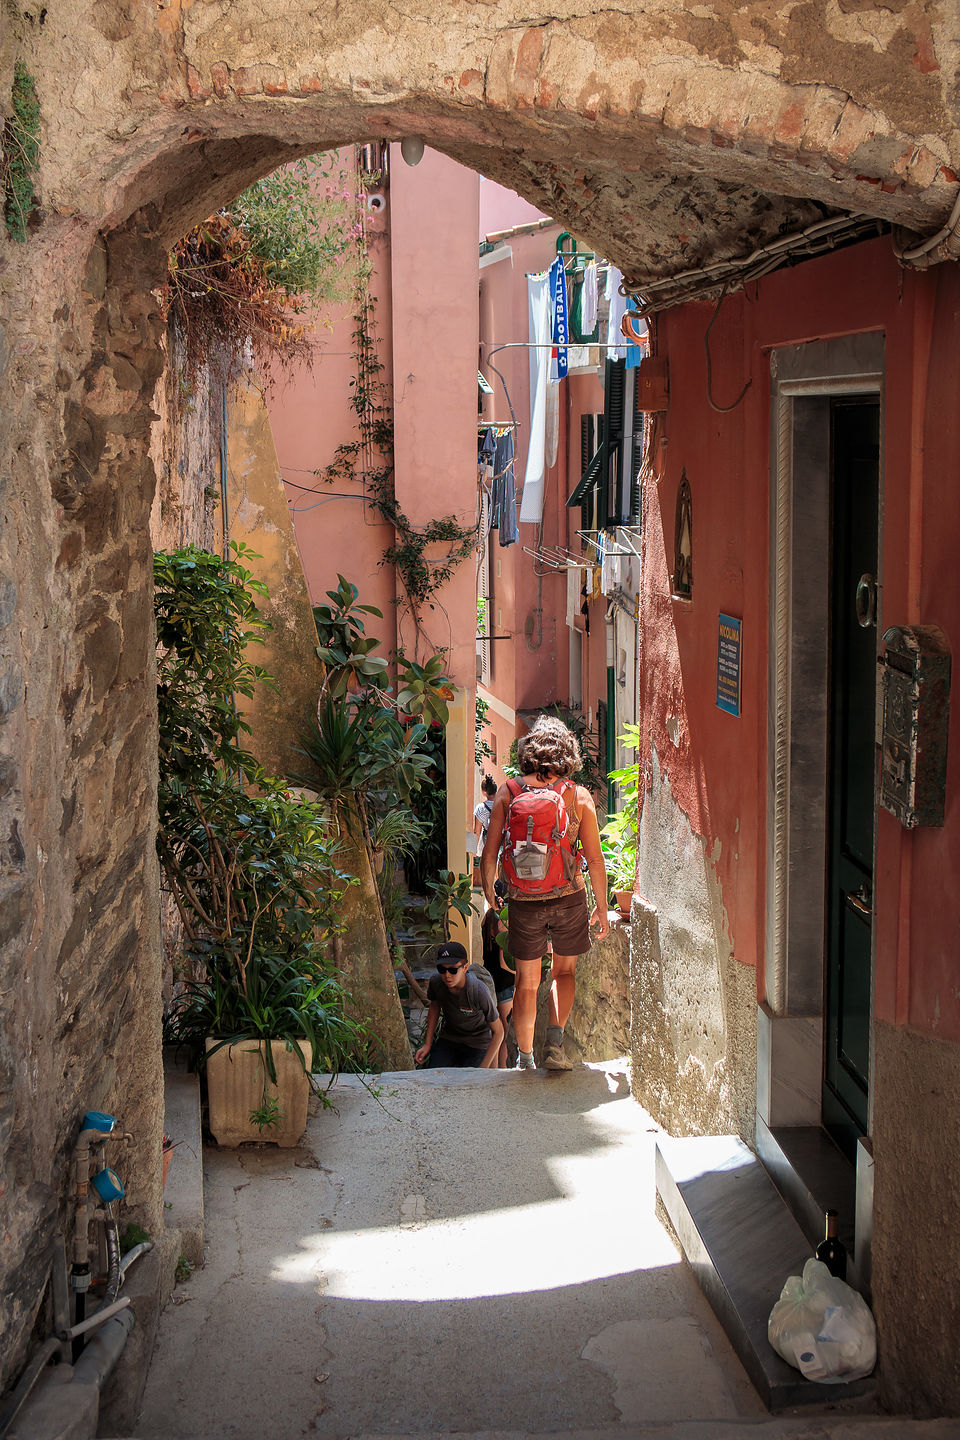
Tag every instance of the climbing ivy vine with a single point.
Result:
(370, 459)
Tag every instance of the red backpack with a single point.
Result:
(536, 854)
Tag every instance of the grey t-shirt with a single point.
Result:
(467, 1014)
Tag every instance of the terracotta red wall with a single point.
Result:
(717, 771)
(927, 989)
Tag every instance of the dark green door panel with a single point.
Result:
(855, 456)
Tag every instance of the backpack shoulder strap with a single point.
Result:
(514, 787)
(567, 790)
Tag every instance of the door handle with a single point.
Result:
(861, 900)
(866, 601)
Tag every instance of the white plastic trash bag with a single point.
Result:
(823, 1327)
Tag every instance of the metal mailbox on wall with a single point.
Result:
(916, 712)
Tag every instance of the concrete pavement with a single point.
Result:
(468, 1252)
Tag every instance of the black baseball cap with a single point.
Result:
(451, 950)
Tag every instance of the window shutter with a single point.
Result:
(610, 509)
(592, 470)
(639, 420)
(587, 446)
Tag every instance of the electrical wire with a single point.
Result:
(944, 233)
(720, 409)
(699, 282)
(329, 494)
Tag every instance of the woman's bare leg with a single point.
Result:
(525, 1002)
(563, 990)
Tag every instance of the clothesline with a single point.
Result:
(552, 345)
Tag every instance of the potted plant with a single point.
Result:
(618, 838)
(251, 868)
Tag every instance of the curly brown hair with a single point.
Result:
(549, 749)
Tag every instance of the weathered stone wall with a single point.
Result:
(599, 1024)
(693, 1026)
(259, 518)
(599, 1027)
(80, 1025)
(916, 1146)
(187, 510)
(185, 452)
(663, 133)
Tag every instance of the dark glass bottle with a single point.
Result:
(831, 1250)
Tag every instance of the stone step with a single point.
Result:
(812, 1175)
(824, 1427)
(742, 1243)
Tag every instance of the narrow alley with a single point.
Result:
(468, 1251)
(458, 1252)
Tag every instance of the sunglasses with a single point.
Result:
(450, 969)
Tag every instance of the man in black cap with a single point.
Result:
(472, 1029)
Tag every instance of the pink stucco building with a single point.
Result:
(450, 254)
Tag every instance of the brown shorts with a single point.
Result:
(564, 921)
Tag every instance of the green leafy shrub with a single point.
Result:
(618, 838)
(244, 275)
(448, 892)
(251, 868)
(301, 225)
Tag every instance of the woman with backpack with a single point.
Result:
(539, 828)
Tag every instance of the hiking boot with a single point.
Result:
(526, 1062)
(554, 1057)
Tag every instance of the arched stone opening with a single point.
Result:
(661, 137)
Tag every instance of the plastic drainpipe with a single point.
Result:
(28, 1379)
(103, 1350)
(132, 1255)
(99, 1317)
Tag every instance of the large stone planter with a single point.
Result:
(238, 1084)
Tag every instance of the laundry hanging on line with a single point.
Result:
(616, 342)
(634, 328)
(498, 444)
(588, 298)
(539, 333)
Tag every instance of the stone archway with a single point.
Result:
(666, 138)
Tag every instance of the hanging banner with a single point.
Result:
(559, 324)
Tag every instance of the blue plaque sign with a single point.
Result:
(728, 665)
